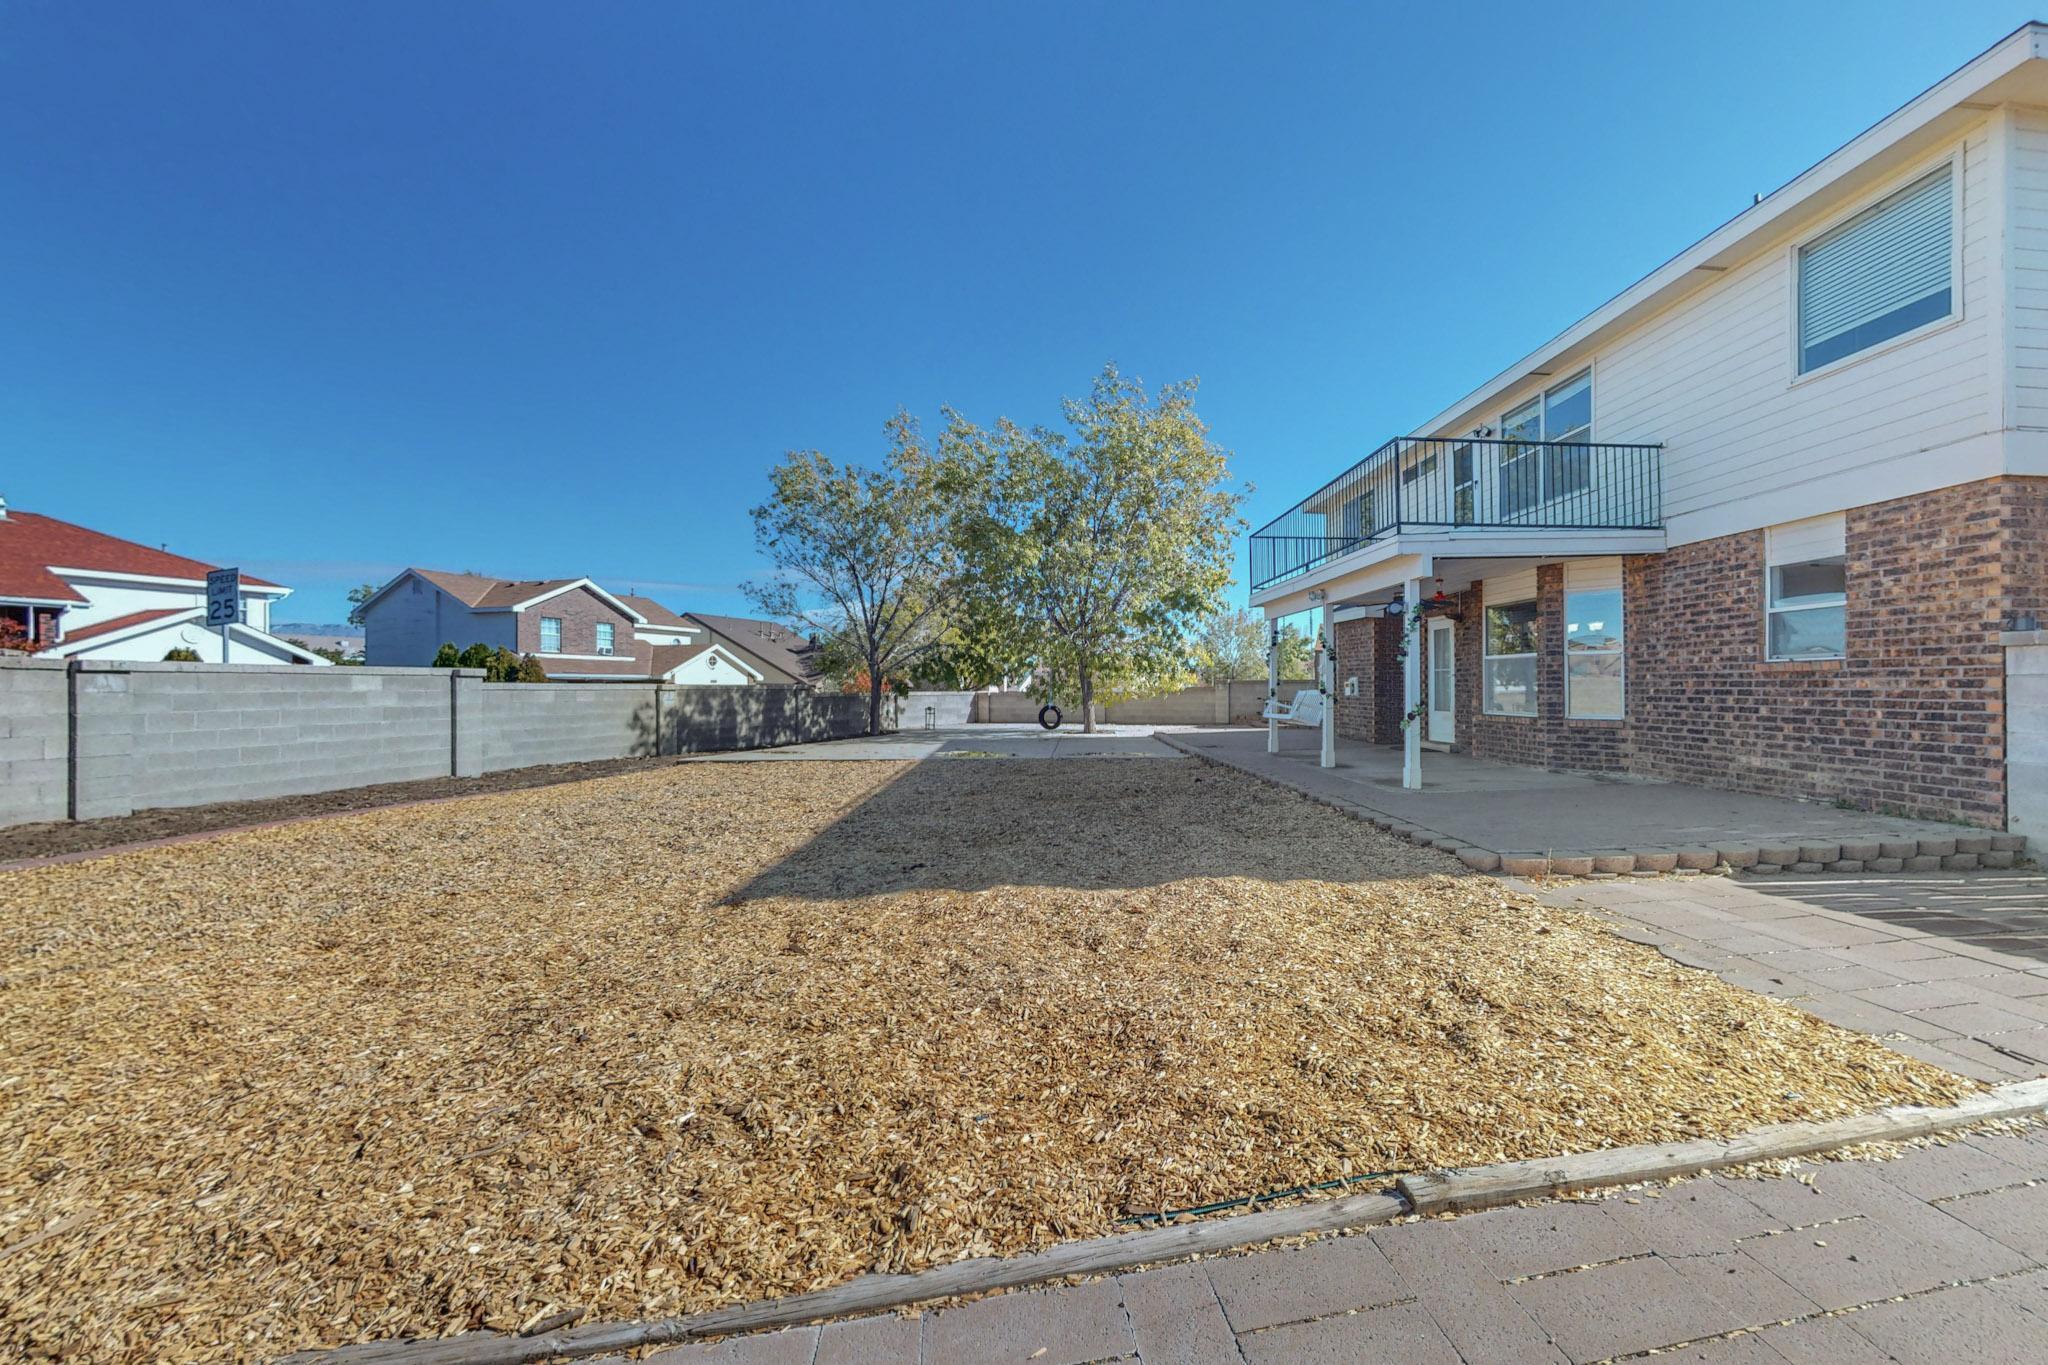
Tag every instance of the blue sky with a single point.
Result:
(533, 289)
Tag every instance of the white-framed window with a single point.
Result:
(604, 637)
(1885, 272)
(1357, 517)
(551, 635)
(1509, 647)
(1806, 589)
(1594, 649)
(1533, 474)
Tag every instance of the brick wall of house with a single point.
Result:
(1367, 650)
(1548, 739)
(1912, 720)
(580, 612)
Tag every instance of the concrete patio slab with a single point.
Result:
(1518, 811)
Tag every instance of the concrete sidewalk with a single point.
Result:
(1511, 810)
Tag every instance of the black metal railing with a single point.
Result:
(1417, 482)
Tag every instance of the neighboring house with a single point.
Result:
(574, 627)
(1755, 522)
(782, 655)
(344, 640)
(80, 594)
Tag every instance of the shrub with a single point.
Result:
(476, 656)
(182, 655)
(447, 656)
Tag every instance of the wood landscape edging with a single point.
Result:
(1449, 1191)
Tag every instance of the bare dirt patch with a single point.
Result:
(714, 1032)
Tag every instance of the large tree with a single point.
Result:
(865, 558)
(1093, 550)
(359, 599)
(1229, 644)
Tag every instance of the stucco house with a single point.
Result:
(81, 594)
(779, 653)
(577, 629)
(1757, 521)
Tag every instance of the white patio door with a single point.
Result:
(1443, 680)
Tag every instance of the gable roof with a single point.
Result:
(668, 658)
(32, 545)
(481, 593)
(656, 614)
(118, 623)
(777, 647)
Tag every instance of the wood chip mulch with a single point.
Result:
(710, 1033)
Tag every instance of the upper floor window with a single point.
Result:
(551, 635)
(604, 637)
(1532, 474)
(1880, 275)
(1806, 589)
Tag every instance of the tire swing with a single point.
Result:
(1049, 716)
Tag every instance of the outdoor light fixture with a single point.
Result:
(1316, 594)
(1395, 606)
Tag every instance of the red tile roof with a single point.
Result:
(32, 544)
(133, 618)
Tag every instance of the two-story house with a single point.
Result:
(576, 629)
(1755, 522)
(76, 593)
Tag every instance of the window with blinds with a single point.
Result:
(1881, 274)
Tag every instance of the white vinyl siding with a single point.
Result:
(1594, 673)
(1806, 589)
(2027, 260)
(1882, 274)
(1712, 378)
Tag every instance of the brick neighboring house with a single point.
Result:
(83, 594)
(1757, 522)
(578, 630)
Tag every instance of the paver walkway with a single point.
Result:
(1933, 965)
(1941, 1255)
(1747, 1270)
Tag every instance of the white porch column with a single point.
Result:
(1411, 684)
(1329, 683)
(1272, 684)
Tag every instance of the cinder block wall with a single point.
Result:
(200, 733)
(522, 725)
(34, 740)
(103, 739)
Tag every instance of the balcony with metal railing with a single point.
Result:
(1416, 483)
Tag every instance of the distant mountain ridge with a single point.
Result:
(288, 628)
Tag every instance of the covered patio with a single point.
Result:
(1511, 810)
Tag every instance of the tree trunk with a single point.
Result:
(1087, 701)
(874, 701)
